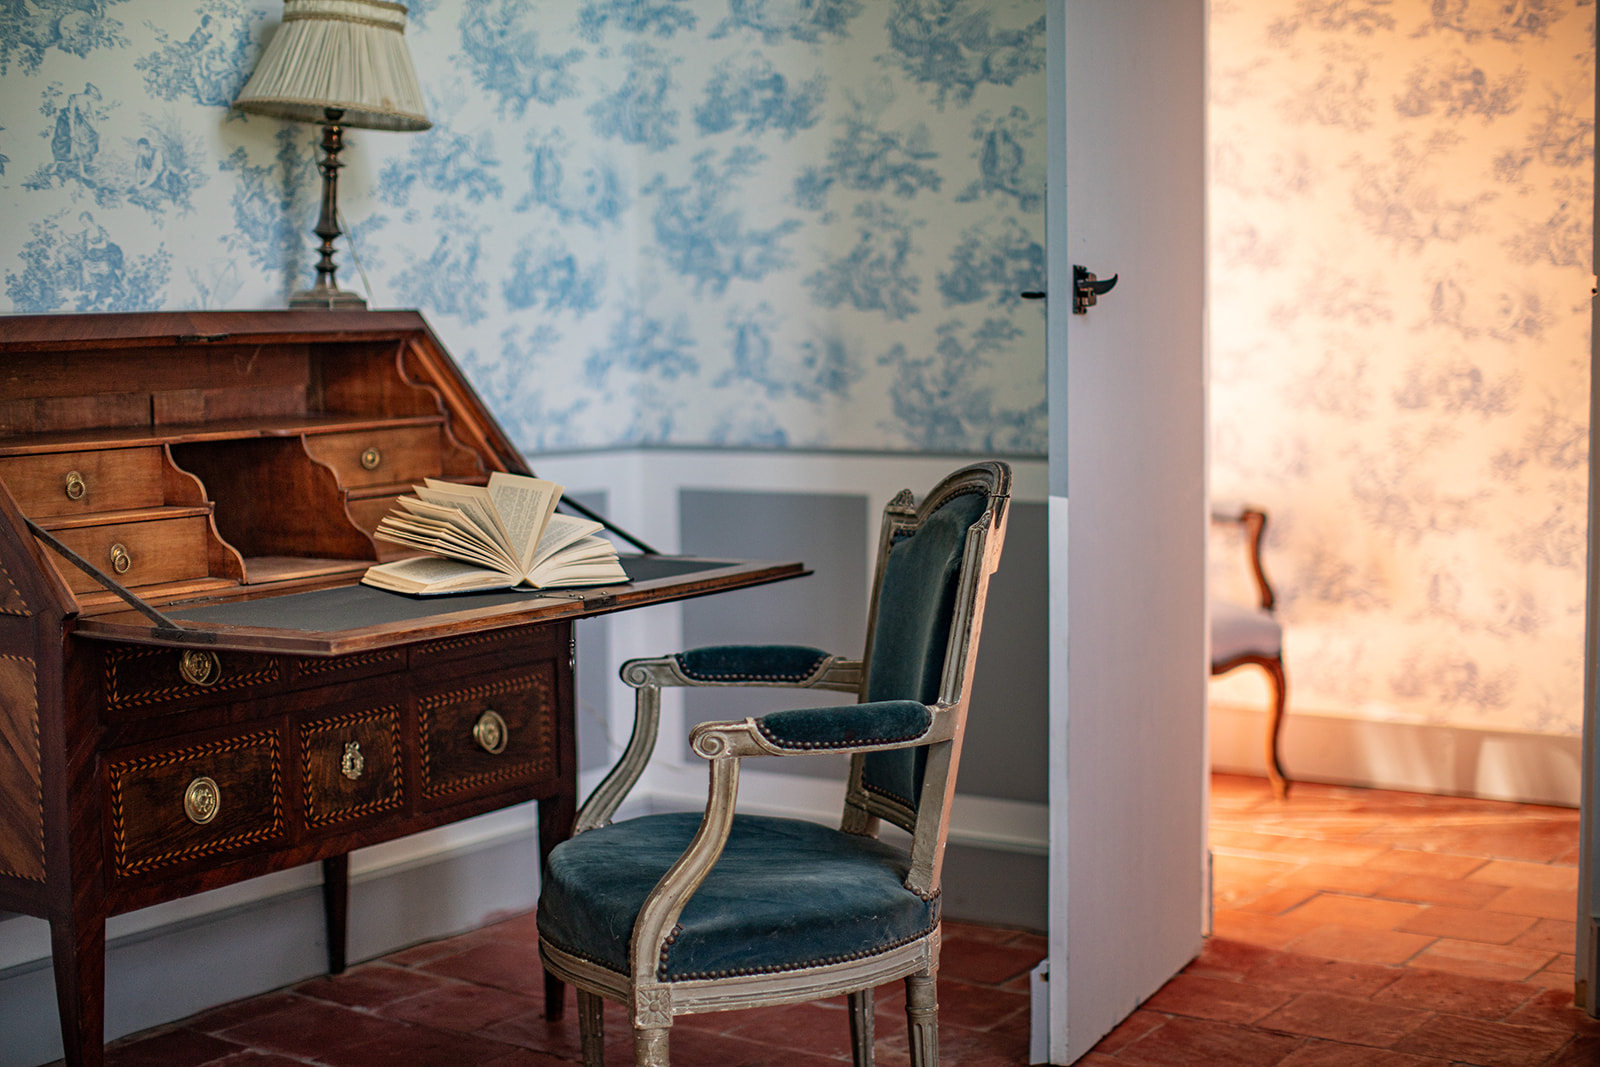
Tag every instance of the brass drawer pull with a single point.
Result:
(121, 560)
(352, 763)
(490, 732)
(371, 458)
(202, 800)
(199, 668)
(76, 487)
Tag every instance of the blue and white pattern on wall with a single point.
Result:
(1400, 272)
(708, 222)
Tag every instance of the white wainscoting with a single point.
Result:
(1413, 757)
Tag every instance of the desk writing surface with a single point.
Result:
(351, 618)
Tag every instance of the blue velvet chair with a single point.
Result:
(1250, 635)
(682, 913)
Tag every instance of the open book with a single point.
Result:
(498, 537)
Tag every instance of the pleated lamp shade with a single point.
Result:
(345, 54)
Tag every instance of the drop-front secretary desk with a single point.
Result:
(248, 707)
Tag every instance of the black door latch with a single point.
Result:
(1086, 289)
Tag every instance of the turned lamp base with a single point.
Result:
(328, 298)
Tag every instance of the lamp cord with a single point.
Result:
(350, 238)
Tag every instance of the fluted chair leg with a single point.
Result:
(922, 1019)
(650, 1047)
(1280, 691)
(861, 1037)
(592, 1028)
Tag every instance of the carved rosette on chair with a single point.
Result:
(682, 913)
(338, 63)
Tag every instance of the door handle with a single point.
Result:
(1086, 289)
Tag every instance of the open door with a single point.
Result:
(1586, 985)
(1128, 778)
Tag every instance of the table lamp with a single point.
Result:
(339, 63)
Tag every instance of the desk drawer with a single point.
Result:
(482, 735)
(81, 483)
(137, 553)
(182, 803)
(142, 680)
(350, 765)
(379, 457)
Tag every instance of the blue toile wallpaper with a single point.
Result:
(1400, 272)
(715, 222)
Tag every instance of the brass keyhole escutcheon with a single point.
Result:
(490, 732)
(76, 486)
(371, 458)
(121, 560)
(202, 800)
(199, 668)
(353, 762)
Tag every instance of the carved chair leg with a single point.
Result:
(592, 1028)
(922, 1018)
(861, 1037)
(650, 1047)
(1280, 690)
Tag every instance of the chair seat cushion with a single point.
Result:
(784, 894)
(1237, 630)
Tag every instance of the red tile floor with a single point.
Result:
(1354, 928)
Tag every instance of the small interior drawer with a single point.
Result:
(166, 807)
(81, 483)
(137, 553)
(480, 735)
(350, 765)
(381, 456)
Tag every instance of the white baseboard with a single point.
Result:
(1449, 760)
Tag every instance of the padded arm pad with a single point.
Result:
(877, 722)
(750, 663)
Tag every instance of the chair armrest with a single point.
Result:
(783, 666)
(871, 727)
(786, 666)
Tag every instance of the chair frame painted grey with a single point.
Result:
(652, 1003)
(1253, 521)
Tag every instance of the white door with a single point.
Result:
(1127, 508)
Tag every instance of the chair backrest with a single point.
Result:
(934, 563)
(1252, 522)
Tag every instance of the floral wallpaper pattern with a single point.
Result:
(710, 222)
(1400, 273)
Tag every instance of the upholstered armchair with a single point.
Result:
(1250, 634)
(674, 914)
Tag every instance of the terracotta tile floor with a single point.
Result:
(1354, 928)
(1362, 928)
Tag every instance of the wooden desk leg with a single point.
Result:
(78, 951)
(556, 816)
(336, 908)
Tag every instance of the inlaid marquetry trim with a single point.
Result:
(13, 865)
(119, 831)
(310, 730)
(450, 644)
(541, 763)
(12, 602)
(117, 657)
(343, 663)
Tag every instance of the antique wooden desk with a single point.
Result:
(256, 709)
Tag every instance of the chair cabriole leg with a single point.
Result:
(1280, 690)
(861, 1036)
(592, 1028)
(650, 1047)
(922, 1019)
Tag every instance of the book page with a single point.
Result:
(525, 505)
(425, 575)
(562, 531)
(474, 502)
